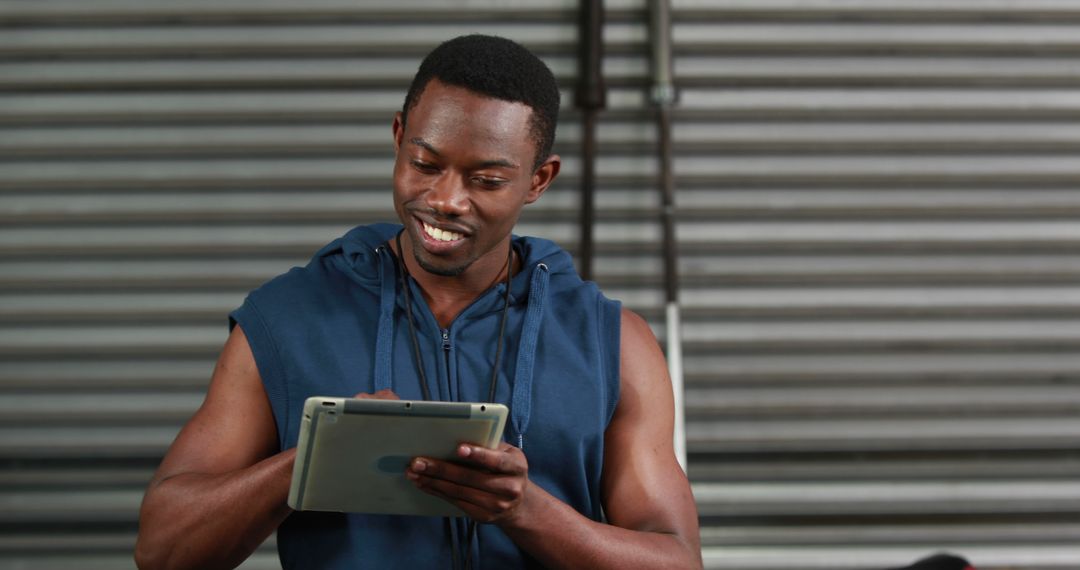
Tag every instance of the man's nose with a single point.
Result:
(448, 195)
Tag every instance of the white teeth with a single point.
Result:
(441, 235)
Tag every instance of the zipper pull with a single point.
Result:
(446, 339)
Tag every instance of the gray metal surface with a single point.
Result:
(879, 234)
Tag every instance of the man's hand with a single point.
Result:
(384, 394)
(488, 484)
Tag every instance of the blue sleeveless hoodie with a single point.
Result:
(337, 327)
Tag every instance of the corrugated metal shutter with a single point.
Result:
(878, 227)
(880, 218)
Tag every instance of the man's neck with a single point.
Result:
(448, 296)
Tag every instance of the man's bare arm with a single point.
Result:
(647, 497)
(221, 489)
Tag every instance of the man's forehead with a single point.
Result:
(485, 162)
(447, 117)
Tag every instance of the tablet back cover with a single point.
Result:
(352, 454)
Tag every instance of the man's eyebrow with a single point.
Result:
(500, 163)
(493, 163)
(425, 145)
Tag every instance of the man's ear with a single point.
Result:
(543, 177)
(399, 131)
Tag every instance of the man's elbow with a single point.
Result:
(690, 552)
(153, 549)
(146, 556)
(695, 560)
(692, 557)
(159, 557)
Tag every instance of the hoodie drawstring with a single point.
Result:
(384, 339)
(521, 399)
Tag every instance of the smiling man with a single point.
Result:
(448, 305)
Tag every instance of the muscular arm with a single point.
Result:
(221, 489)
(647, 498)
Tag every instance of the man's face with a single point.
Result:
(462, 174)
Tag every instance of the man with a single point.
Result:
(450, 306)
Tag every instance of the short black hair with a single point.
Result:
(498, 68)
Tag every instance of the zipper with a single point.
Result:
(446, 358)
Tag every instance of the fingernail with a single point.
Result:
(419, 465)
(464, 451)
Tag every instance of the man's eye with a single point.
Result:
(489, 182)
(424, 166)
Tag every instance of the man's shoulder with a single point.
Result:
(634, 327)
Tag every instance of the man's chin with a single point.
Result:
(440, 269)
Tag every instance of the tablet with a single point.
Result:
(352, 454)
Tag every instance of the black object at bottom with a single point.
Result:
(940, 562)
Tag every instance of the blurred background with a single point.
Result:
(878, 227)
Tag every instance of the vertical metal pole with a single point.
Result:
(663, 97)
(588, 193)
(590, 98)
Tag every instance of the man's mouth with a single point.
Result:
(440, 234)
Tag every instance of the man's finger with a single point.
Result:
(478, 504)
(384, 394)
(501, 484)
(506, 459)
(435, 469)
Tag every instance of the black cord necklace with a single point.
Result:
(403, 272)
